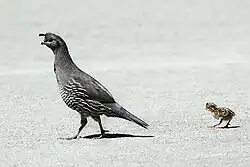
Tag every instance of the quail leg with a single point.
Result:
(218, 123)
(228, 123)
(98, 119)
(83, 123)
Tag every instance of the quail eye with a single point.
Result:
(50, 40)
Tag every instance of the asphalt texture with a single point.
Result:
(161, 60)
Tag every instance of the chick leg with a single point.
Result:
(226, 126)
(218, 123)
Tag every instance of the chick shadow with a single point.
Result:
(114, 135)
(230, 127)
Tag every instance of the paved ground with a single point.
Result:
(163, 60)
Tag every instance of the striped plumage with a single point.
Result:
(220, 113)
(76, 97)
(80, 91)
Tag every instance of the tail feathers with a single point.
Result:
(120, 112)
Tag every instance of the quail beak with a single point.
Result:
(42, 43)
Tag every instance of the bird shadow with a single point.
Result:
(113, 135)
(230, 127)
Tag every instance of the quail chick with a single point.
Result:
(220, 113)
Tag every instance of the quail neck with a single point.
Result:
(62, 59)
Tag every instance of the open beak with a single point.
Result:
(40, 35)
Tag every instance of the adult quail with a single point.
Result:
(80, 91)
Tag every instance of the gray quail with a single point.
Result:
(80, 91)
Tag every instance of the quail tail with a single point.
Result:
(120, 112)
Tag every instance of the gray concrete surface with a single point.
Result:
(161, 59)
